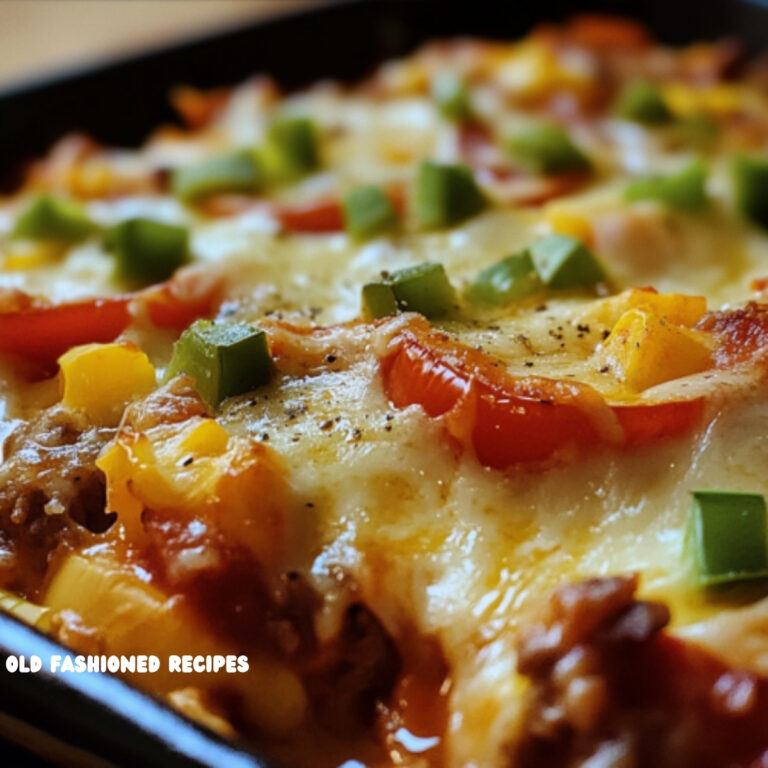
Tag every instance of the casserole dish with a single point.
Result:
(118, 104)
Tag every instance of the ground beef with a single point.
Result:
(49, 488)
(610, 689)
(345, 676)
(351, 674)
(46, 462)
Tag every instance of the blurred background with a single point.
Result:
(38, 37)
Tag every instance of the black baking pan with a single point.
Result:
(97, 720)
(120, 102)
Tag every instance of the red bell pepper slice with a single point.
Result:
(508, 420)
(41, 334)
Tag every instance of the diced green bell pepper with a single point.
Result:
(750, 182)
(685, 189)
(451, 95)
(53, 218)
(424, 289)
(147, 251)
(368, 211)
(379, 300)
(235, 172)
(291, 150)
(224, 359)
(506, 281)
(547, 149)
(446, 195)
(564, 262)
(642, 102)
(725, 539)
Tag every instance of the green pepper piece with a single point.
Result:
(291, 149)
(750, 181)
(424, 288)
(379, 300)
(685, 189)
(235, 171)
(53, 218)
(725, 539)
(564, 262)
(446, 195)
(547, 149)
(224, 359)
(642, 102)
(147, 251)
(368, 211)
(451, 95)
(506, 281)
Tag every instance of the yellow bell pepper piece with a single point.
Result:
(681, 98)
(568, 222)
(673, 308)
(196, 469)
(135, 617)
(93, 178)
(31, 254)
(531, 69)
(719, 99)
(36, 615)
(166, 467)
(645, 349)
(101, 379)
(405, 77)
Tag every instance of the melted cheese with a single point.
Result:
(434, 541)
(465, 552)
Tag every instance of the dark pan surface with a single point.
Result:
(95, 720)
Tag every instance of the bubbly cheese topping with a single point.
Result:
(375, 504)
